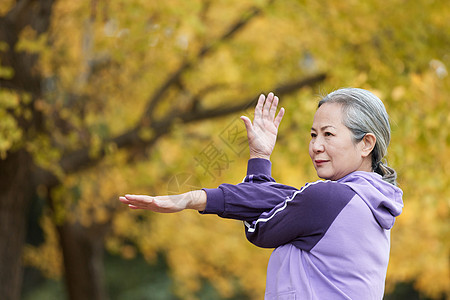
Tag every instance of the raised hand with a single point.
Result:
(262, 134)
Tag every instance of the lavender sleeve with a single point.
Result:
(302, 219)
(259, 170)
(276, 214)
(248, 200)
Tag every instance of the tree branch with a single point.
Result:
(81, 159)
(25, 11)
(36, 14)
(18, 9)
(176, 76)
(249, 103)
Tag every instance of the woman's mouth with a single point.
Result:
(320, 162)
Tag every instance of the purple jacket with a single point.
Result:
(332, 238)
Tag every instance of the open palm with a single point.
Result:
(161, 204)
(262, 134)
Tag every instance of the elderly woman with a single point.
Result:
(331, 237)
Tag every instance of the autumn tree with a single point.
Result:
(61, 117)
(101, 98)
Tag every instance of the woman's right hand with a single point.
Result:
(262, 134)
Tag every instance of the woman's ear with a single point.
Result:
(368, 143)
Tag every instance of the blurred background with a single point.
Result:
(102, 98)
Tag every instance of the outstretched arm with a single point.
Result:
(262, 133)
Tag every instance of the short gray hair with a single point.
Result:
(363, 113)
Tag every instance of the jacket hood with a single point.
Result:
(383, 199)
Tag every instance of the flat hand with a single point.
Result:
(167, 204)
(262, 134)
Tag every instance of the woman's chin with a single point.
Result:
(323, 175)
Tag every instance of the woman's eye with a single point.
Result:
(328, 134)
(313, 135)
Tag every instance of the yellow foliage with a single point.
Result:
(207, 248)
(45, 155)
(46, 257)
(30, 42)
(107, 63)
(6, 6)
(10, 132)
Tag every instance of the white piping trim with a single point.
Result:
(252, 228)
(247, 178)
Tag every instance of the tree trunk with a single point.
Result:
(15, 194)
(83, 250)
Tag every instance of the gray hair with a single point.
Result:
(363, 113)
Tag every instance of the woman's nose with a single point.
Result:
(318, 146)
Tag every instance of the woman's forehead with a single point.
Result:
(328, 115)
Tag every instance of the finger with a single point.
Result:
(266, 109)
(279, 117)
(139, 198)
(273, 108)
(134, 207)
(141, 205)
(124, 200)
(248, 126)
(259, 106)
(141, 201)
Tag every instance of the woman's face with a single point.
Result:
(332, 150)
